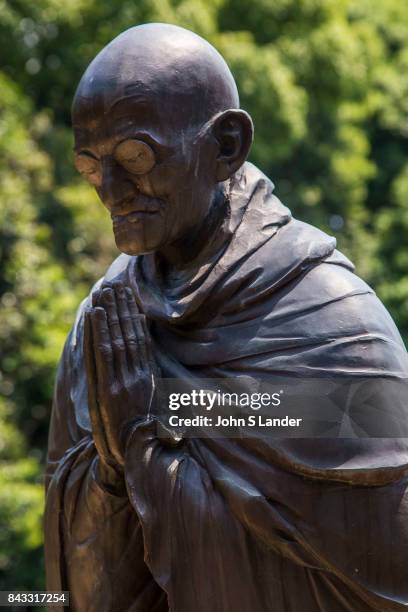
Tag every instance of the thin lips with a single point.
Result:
(123, 212)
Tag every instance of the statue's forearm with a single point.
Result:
(98, 531)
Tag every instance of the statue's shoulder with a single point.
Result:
(118, 267)
(349, 305)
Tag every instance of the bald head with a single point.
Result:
(158, 132)
(164, 66)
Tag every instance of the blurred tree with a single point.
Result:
(21, 507)
(326, 82)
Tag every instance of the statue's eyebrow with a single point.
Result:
(136, 96)
(153, 139)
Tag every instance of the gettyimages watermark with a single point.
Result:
(287, 407)
(223, 401)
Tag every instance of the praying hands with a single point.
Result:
(120, 369)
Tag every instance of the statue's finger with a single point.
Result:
(132, 305)
(151, 364)
(126, 323)
(103, 348)
(146, 348)
(93, 407)
(108, 301)
(141, 340)
(89, 357)
(136, 316)
(96, 295)
(143, 335)
(105, 372)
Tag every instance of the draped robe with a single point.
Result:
(251, 524)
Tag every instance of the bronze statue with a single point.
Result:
(216, 280)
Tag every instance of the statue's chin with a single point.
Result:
(132, 247)
(139, 238)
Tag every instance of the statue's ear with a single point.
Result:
(234, 132)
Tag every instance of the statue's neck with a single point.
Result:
(202, 242)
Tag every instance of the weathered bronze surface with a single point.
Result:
(216, 279)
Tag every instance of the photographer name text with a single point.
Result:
(252, 420)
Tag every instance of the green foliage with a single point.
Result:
(326, 82)
(21, 507)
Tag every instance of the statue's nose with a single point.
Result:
(115, 184)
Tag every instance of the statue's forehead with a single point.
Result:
(107, 103)
(124, 70)
(112, 99)
(136, 89)
(124, 113)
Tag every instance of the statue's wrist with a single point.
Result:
(110, 478)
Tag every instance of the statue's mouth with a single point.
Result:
(135, 210)
(135, 216)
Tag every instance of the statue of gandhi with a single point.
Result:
(216, 280)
